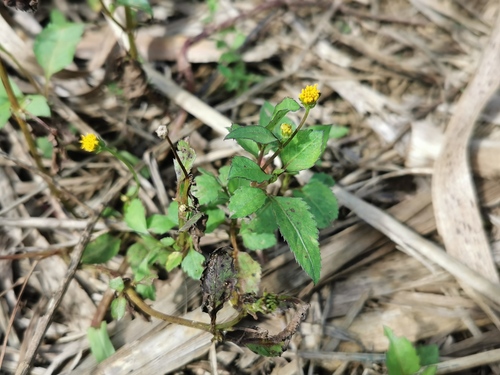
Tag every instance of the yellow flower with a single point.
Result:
(310, 95)
(286, 130)
(89, 142)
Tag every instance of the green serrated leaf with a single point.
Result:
(173, 260)
(249, 273)
(299, 230)
(208, 189)
(193, 264)
(160, 224)
(137, 4)
(35, 105)
(245, 168)
(257, 240)
(428, 354)
(100, 250)
(325, 129)
(151, 243)
(163, 255)
(236, 183)
(117, 284)
(246, 144)
(245, 201)
(323, 178)
(146, 291)
(302, 151)
(173, 212)
(118, 308)
(187, 156)
(223, 175)
(321, 201)
(57, 17)
(215, 218)
(55, 46)
(45, 146)
(401, 358)
(100, 343)
(135, 216)
(265, 114)
(280, 111)
(259, 232)
(136, 254)
(255, 133)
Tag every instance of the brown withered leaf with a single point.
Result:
(218, 282)
(263, 343)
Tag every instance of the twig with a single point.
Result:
(14, 313)
(455, 202)
(407, 238)
(24, 366)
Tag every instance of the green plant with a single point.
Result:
(403, 358)
(232, 66)
(55, 46)
(13, 103)
(257, 209)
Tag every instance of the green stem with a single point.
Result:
(16, 111)
(130, 26)
(108, 13)
(128, 165)
(279, 150)
(16, 114)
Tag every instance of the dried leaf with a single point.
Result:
(218, 281)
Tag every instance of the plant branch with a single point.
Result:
(134, 298)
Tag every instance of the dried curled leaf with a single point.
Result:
(259, 340)
(218, 281)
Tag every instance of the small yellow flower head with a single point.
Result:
(309, 96)
(90, 143)
(286, 130)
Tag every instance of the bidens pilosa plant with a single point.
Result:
(253, 198)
